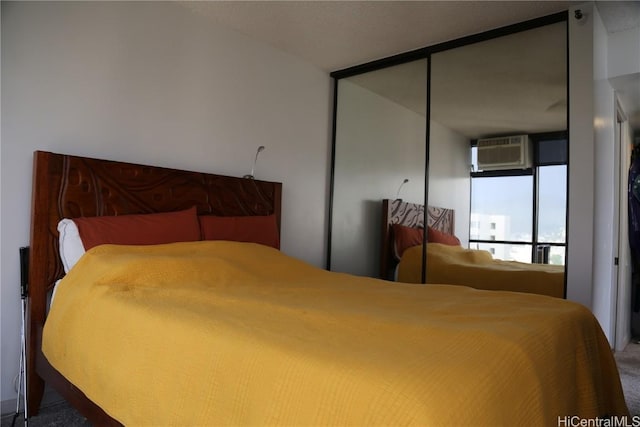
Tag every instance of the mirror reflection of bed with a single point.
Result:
(446, 261)
(512, 87)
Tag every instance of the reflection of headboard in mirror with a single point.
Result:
(411, 215)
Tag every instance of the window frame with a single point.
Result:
(532, 171)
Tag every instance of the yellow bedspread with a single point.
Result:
(476, 268)
(223, 333)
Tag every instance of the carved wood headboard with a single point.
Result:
(411, 215)
(69, 186)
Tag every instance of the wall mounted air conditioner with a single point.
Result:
(508, 152)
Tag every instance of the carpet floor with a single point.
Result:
(58, 414)
(62, 415)
(629, 367)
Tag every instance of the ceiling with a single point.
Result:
(339, 34)
(619, 15)
(510, 85)
(334, 35)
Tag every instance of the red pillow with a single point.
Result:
(406, 237)
(435, 236)
(261, 229)
(142, 229)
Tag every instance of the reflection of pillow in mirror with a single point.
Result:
(436, 236)
(405, 237)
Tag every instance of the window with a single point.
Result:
(502, 207)
(552, 203)
(516, 212)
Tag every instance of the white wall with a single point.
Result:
(623, 49)
(597, 59)
(379, 143)
(604, 231)
(449, 179)
(153, 83)
(581, 157)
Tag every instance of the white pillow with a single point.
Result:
(71, 247)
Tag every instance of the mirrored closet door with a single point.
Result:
(498, 142)
(470, 141)
(379, 158)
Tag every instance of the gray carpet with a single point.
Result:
(58, 414)
(629, 367)
(61, 414)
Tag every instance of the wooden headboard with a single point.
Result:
(411, 215)
(69, 186)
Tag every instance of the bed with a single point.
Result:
(232, 333)
(402, 255)
(67, 186)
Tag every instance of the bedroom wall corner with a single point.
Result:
(592, 245)
(605, 227)
(153, 83)
(581, 157)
